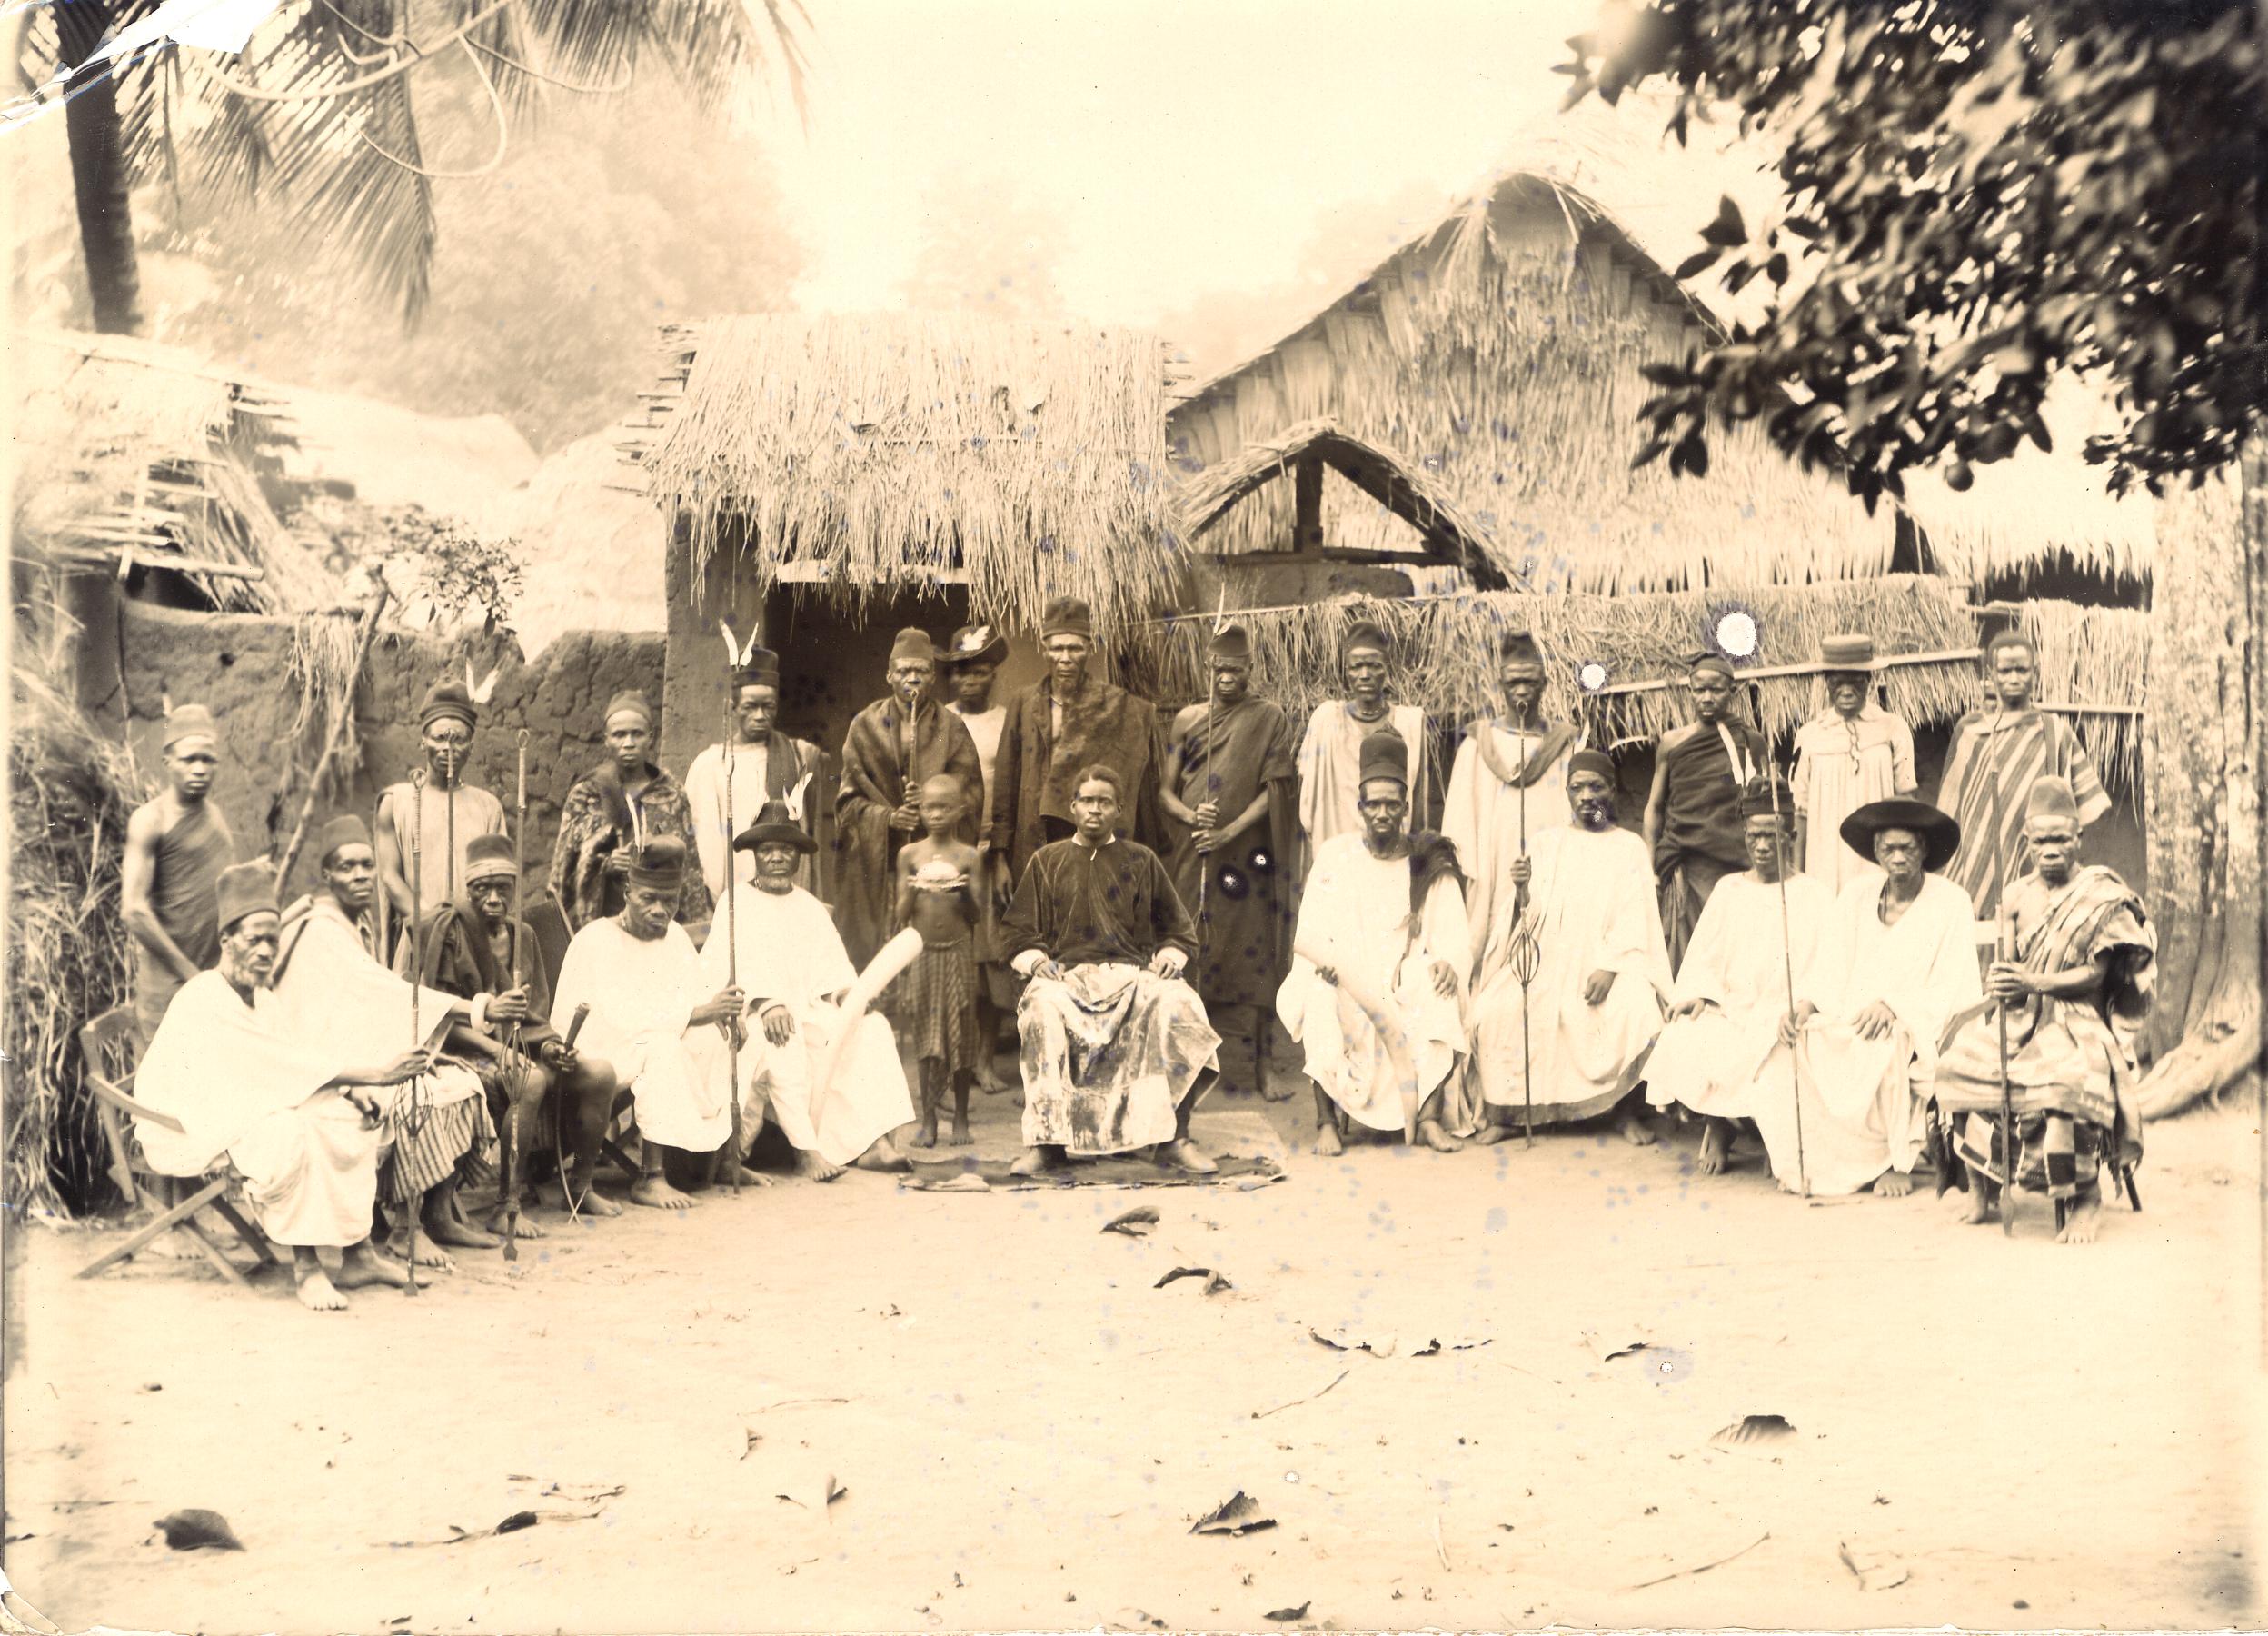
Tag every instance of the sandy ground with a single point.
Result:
(1023, 1429)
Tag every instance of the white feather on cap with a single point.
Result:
(480, 691)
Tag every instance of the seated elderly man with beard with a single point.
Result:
(1114, 1043)
(638, 973)
(1582, 906)
(795, 971)
(297, 1121)
(1897, 958)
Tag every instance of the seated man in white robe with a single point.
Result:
(795, 971)
(330, 990)
(1382, 917)
(1898, 959)
(640, 975)
(296, 1119)
(1117, 1051)
(1734, 987)
(1580, 911)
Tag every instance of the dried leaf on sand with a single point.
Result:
(1288, 1615)
(1239, 1514)
(1874, 1575)
(1756, 1429)
(199, 1530)
(1134, 1224)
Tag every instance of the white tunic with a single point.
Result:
(641, 993)
(1331, 768)
(1483, 814)
(1710, 1061)
(331, 993)
(713, 827)
(790, 951)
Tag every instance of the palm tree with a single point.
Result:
(316, 119)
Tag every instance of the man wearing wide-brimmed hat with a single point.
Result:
(794, 970)
(611, 815)
(1896, 961)
(297, 1117)
(1850, 753)
(1067, 721)
(2075, 979)
(766, 766)
(1331, 750)
(893, 746)
(638, 973)
(448, 719)
(177, 847)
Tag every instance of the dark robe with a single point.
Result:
(875, 772)
(1701, 834)
(1033, 775)
(461, 960)
(1097, 905)
(595, 820)
(1229, 755)
(185, 896)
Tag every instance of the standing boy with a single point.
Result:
(934, 1003)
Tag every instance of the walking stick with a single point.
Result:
(516, 1035)
(410, 1123)
(1205, 859)
(1787, 949)
(732, 935)
(2000, 1007)
(1525, 955)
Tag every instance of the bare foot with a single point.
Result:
(361, 1266)
(317, 1293)
(521, 1227)
(1490, 1133)
(992, 1084)
(1034, 1160)
(656, 1194)
(810, 1167)
(2083, 1220)
(1716, 1148)
(427, 1254)
(1893, 1184)
(1327, 1143)
(1634, 1128)
(1269, 1092)
(960, 1136)
(589, 1201)
(1431, 1133)
(884, 1156)
(1186, 1156)
(756, 1178)
(926, 1137)
(444, 1227)
(1974, 1207)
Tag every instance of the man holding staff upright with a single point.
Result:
(176, 848)
(452, 812)
(1693, 823)
(766, 766)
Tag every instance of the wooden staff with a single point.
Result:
(1212, 787)
(515, 1034)
(411, 1124)
(732, 940)
(1788, 955)
(2000, 1007)
(1525, 955)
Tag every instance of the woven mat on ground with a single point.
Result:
(1120, 1170)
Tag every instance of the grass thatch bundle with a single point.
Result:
(323, 668)
(1027, 458)
(1448, 645)
(70, 791)
(2097, 660)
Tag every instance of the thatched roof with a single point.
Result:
(1501, 349)
(1026, 458)
(128, 450)
(1397, 484)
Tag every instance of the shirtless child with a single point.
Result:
(934, 1003)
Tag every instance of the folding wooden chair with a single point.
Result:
(107, 1046)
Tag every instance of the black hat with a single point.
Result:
(662, 865)
(1384, 755)
(759, 667)
(1762, 796)
(974, 644)
(773, 824)
(1939, 830)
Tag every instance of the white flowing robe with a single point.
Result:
(641, 993)
(1592, 906)
(1710, 1061)
(790, 952)
(713, 827)
(1355, 910)
(1331, 768)
(1481, 815)
(239, 1084)
(1862, 1100)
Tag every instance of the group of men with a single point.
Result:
(1141, 897)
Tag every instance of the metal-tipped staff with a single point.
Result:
(1526, 957)
(516, 1035)
(411, 1124)
(2000, 1007)
(1787, 953)
(733, 924)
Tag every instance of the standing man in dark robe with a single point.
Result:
(177, 847)
(1230, 796)
(1692, 822)
(1067, 720)
(894, 746)
(447, 721)
(610, 816)
(766, 766)
(475, 950)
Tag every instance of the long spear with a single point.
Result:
(732, 919)
(516, 1035)
(1525, 954)
(1787, 955)
(410, 1123)
(2000, 952)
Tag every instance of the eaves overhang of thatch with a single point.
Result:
(1024, 459)
(132, 454)
(1449, 534)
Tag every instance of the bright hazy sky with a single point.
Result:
(1188, 145)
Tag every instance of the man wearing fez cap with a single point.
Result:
(2076, 981)
(1330, 752)
(330, 989)
(475, 950)
(894, 746)
(766, 766)
(1896, 961)
(1693, 823)
(1733, 988)
(297, 1117)
(1850, 753)
(613, 812)
(638, 973)
(447, 721)
(177, 847)
(1585, 896)
(1230, 796)
(1510, 770)
(1382, 921)
(1067, 721)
